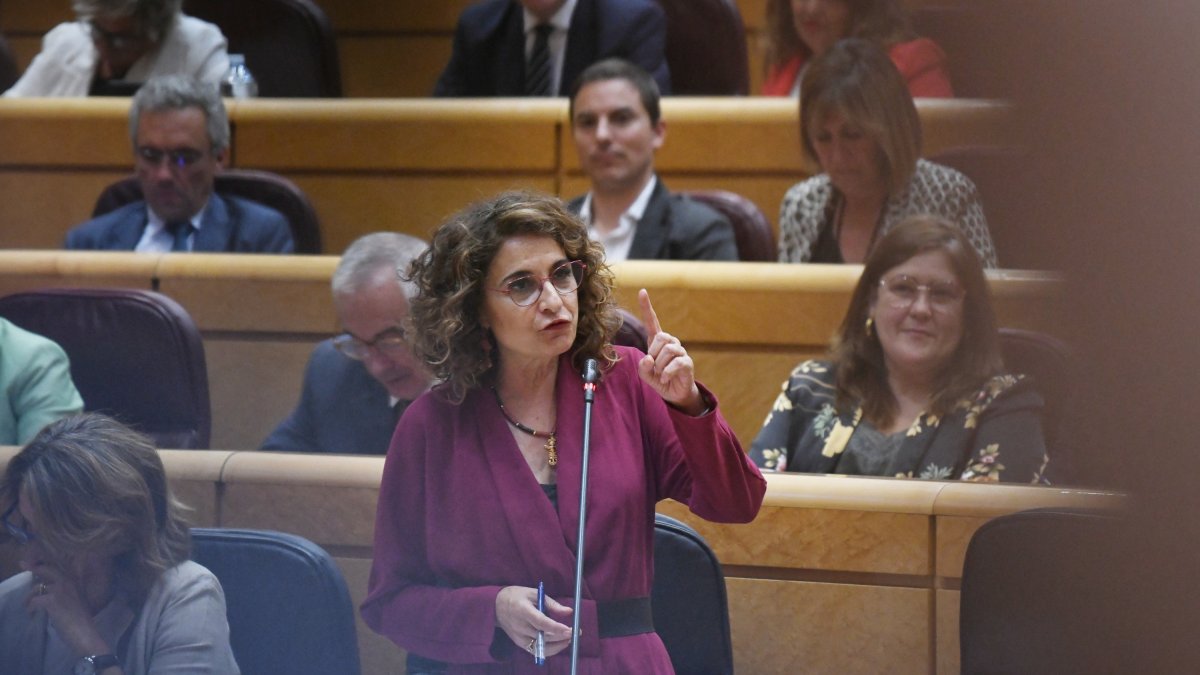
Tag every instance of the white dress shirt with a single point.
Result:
(156, 238)
(618, 241)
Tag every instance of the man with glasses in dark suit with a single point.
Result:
(180, 135)
(358, 384)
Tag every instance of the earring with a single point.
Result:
(870, 327)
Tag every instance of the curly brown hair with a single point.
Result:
(444, 320)
(883, 22)
(861, 370)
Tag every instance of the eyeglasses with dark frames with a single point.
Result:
(527, 288)
(179, 159)
(390, 342)
(18, 533)
(122, 41)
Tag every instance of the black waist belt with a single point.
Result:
(619, 618)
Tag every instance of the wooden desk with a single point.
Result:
(406, 165)
(836, 575)
(745, 324)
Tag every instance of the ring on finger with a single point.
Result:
(532, 642)
(41, 589)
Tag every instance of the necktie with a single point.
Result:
(180, 230)
(537, 70)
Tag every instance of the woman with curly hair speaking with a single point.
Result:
(480, 494)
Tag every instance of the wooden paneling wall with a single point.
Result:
(745, 324)
(837, 574)
(405, 165)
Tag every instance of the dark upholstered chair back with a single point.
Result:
(1038, 595)
(8, 66)
(1049, 362)
(755, 238)
(288, 607)
(263, 187)
(691, 613)
(288, 44)
(135, 355)
(706, 48)
(632, 332)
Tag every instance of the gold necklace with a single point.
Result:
(551, 441)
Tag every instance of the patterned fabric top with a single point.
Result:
(809, 207)
(993, 435)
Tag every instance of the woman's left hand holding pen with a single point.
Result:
(517, 615)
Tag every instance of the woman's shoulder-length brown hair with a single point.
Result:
(857, 81)
(861, 372)
(444, 320)
(98, 486)
(881, 21)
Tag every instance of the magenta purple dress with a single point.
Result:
(460, 516)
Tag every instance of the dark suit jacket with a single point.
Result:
(231, 224)
(489, 45)
(675, 227)
(341, 409)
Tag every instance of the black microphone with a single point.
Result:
(591, 373)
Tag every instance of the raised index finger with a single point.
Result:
(648, 316)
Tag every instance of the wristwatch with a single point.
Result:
(90, 665)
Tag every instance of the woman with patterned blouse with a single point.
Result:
(914, 386)
(858, 123)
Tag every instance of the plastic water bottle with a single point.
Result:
(239, 82)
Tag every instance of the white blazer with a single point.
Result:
(67, 62)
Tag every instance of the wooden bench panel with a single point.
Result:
(746, 324)
(328, 499)
(407, 164)
(195, 477)
(251, 293)
(785, 618)
(85, 133)
(352, 205)
(381, 66)
(802, 627)
(500, 135)
(859, 542)
(41, 206)
(25, 270)
(253, 386)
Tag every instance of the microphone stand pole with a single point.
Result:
(590, 374)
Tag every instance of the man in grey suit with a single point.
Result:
(617, 126)
(357, 384)
(180, 135)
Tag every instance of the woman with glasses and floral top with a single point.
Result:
(108, 587)
(115, 44)
(914, 386)
(480, 494)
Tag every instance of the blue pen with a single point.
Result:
(539, 655)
